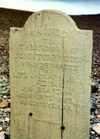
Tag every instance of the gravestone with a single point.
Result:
(50, 69)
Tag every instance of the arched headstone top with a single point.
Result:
(50, 18)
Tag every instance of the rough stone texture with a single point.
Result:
(50, 69)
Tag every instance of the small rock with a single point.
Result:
(93, 83)
(92, 132)
(3, 104)
(96, 128)
(1, 80)
(2, 135)
(7, 119)
(0, 128)
(4, 97)
(6, 110)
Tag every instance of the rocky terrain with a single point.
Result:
(14, 18)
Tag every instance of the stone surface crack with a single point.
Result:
(62, 127)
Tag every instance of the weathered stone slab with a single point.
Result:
(50, 69)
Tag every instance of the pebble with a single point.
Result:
(0, 128)
(7, 119)
(1, 137)
(96, 128)
(1, 81)
(4, 97)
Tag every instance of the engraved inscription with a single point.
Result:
(49, 76)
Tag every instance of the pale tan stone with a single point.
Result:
(96, 128)
(2, 134)
(50, 61)
(3, 104)
(6, 110)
